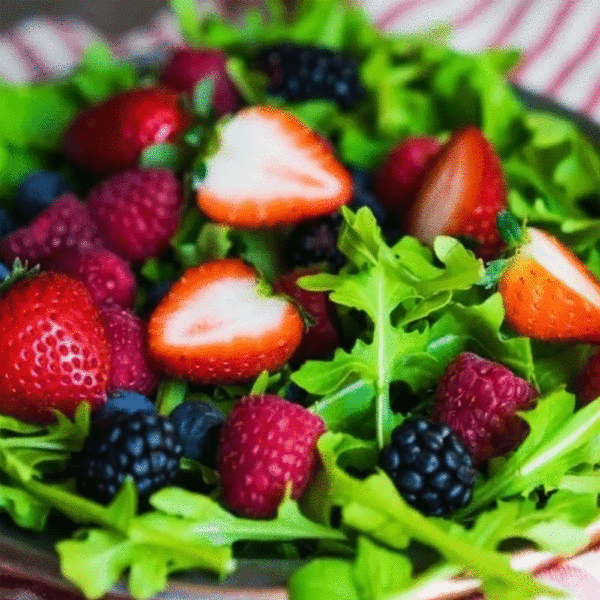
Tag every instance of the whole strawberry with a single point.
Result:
(64, 224)
(188, 66)
(54, 353)
(107, 276)
(478, 399)
(399, 177)
(126, 335)
(137, 211)
(111, 135)
(321, 337)
(266, 443)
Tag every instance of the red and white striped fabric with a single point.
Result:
(560, 40)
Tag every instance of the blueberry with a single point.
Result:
(36, 192)
(4, 272)
(157, 292)
(363, 195)
(198, 424)
(123, 401)
(7, 223)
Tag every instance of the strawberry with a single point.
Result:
(548, 292)
(217, 325)
(321, 338)
(65, 223)
(187, 66)
(107, 277)
(270, 169)
(588, 383)
(126, 335)
(478, 399)
(265, 444)
(402, 173)
(462, 194)
(137, 211)
(110, 136)
(54, 353)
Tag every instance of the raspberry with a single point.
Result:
(399, 177)
(66, 223)
(265, 443)
(187, 66)
(137, 211)
(126, 335)
(478, 400)
(141, 445)
(107, 276)
(431, 469)
(588, 384)
(321, 338)
(198, 425)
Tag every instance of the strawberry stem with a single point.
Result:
(509, 228)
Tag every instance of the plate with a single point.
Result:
(28, 563)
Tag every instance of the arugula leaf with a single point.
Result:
(559, 440)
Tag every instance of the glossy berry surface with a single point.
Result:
(141, 445)
(198, 424)
(430, 467)
(266, 443)
(36, 192)
(298, 72)
(315, 242)
(123, 401)
(4, 271)
(186, 67)
(478, 399)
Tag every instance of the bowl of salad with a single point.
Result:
(302, 309)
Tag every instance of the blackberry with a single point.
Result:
(430, 467)
(299, 72)
(198, 425)
(142, 445)
(363, 195)
(315, 242)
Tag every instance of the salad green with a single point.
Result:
(410, 309)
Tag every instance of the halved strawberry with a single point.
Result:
(216, 325)
(549, 294)
(270, 169)
(462, 194)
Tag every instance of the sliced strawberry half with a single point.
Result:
(216, 325)
(462, 194)
(549, 294)
(270, 169)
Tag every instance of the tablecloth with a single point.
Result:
(560, 44)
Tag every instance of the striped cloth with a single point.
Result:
(560, 41)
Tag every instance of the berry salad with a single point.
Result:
(303, 290)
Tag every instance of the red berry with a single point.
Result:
(478, 399)
(66, 223)
(126, 335)
(321, 338)
(107, 277)
(111, 135)
(398, 179)
(588, 385)
(137, 211)
(54, 353)
(188, 66)
(265, 443)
